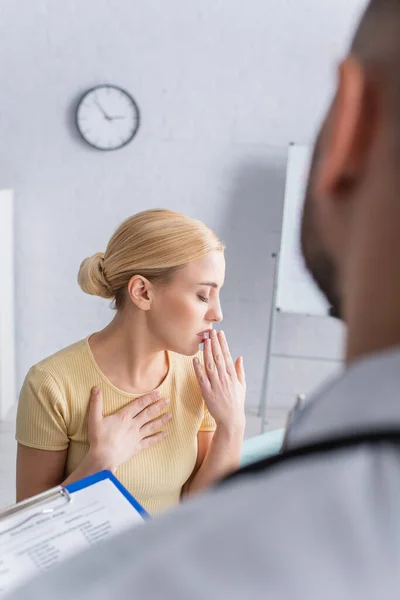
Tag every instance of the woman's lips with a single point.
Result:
(204, 335)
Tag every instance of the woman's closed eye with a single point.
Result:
(203, 299)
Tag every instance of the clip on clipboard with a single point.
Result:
(35, 501)
(40, 532)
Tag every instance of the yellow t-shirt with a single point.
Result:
(53, 411)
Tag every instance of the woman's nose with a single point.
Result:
(215, 315)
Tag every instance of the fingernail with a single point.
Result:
(156, 394)
(164, 434)
(196, 360)
(95, 391)
(213, 332)
(166, 401)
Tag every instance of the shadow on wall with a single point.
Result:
(252, 228)
(251, 232)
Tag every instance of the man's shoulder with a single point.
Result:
(283, 532)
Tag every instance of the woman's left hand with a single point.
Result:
(222, 382)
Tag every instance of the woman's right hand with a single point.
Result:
(115, 439)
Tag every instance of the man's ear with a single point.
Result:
(139, 290)
(346, 139)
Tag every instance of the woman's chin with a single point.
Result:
(194, 349)
(188, 350)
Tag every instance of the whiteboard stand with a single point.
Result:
(294, 290)
(7, 323)
(265, 381)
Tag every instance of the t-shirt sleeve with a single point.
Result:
(208, 423)
(42, 413)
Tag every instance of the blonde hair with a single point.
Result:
(153, 243)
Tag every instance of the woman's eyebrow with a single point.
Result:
(209, 283)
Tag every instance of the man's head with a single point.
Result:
(351, 218)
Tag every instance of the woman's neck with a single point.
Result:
(125, 354)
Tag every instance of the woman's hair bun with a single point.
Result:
(92, 278)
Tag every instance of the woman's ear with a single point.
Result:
(139, 290)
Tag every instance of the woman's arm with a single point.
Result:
(41, 470)
(38, 470)
(218, 454)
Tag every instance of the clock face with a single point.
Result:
(107, 117)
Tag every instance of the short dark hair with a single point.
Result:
(376, 45)
(377, 38)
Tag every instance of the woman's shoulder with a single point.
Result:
(60, 362)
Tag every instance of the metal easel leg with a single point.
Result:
(264, 387)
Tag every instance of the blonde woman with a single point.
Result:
(135, 397)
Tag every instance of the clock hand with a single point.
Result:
(117, 117)
(106, 116)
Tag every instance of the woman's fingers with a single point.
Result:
(217, 358)
(137, 406)
(217, 355)
(152, 411)
(152, 427)
(202, 378)
(95, 406)
(153, 439)
(230, 368)
(209, 364)
(239, 368)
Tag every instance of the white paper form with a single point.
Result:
(33, 546)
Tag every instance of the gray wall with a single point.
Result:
(223, 88)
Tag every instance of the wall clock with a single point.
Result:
(107, 117)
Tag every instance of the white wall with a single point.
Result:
(223, 87)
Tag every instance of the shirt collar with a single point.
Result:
(365, 397)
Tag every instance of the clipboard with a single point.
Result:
(101, 476)
(42, 531)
